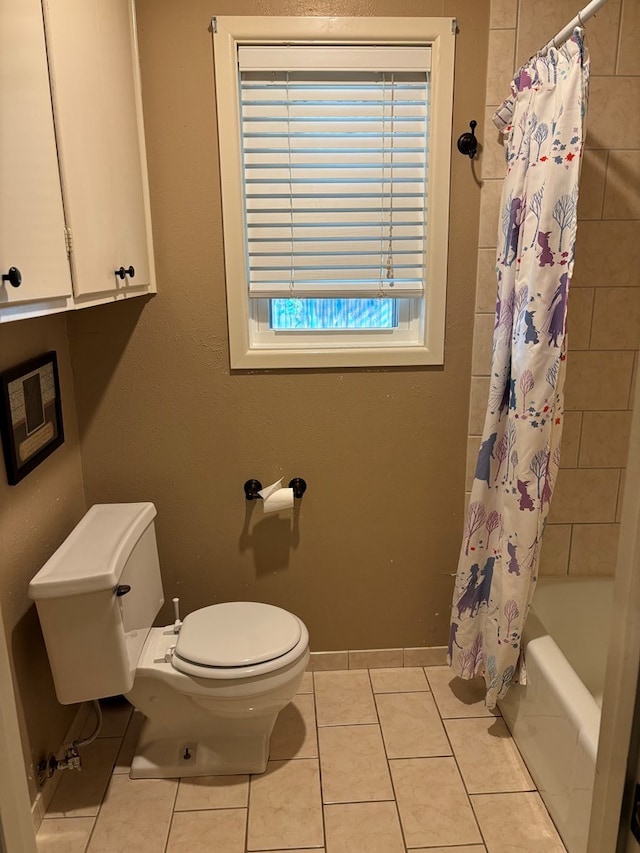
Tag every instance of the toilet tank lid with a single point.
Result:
(95, 553)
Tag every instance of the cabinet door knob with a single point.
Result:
(14, 277)
(122, 272)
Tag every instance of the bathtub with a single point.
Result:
(555, 718)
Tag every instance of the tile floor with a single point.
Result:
(363, 761)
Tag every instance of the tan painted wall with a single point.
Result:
(35, 517)
(603, 322)
(369, 561)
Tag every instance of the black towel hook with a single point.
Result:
(468, 142)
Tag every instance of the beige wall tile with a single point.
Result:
(487, 756)
(212, 792)
(407, 679)
(594, 549)
(584, 495)
(503, 14)
(628, 54)
(482, 344)
(614, 112)
(554, 555)
(592, 179)
(194, 831)
(489, 213)
(354, 765)
(457, 697)
(486, 283)
(375, 658)
(363, 828)
(616, 318)
(286, 808)
(538, 23)
(634, 381)
(492, 156)
(622, 198)
(605, 439)
(570, 446)
(135, 815)
(434, 656)
(579, 318)
(64, 835)
(473, 445)
(294, 734)
(327, 661)
(516, 822)
(500, 65)
(598, 380)
(623, 478)
(607, 254)
(411, 725)
(433, 805)
(344, 698)
(478, 404)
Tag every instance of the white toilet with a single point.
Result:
(210, 693)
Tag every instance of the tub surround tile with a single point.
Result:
(482, 344)
(628, 55)
(324, 661)
(285, 806)
(354, 765)
(592, 184)
(571, 434)
(363, 828)
(408, 679)
(610, 114)
(80, 794)
(556, 546)
(579, 319)
(473, 446)
(212, 792)
(135, 815)
(516, 823)
(621, 198)
(594, 549)
(375, 658)
(487, 756)
(503, 14)
(433, 805)
(478, 404)
(605, 439)
(490, 208)
(585, 495)
(598, 380)
(500, 65)
(457, 697)
(411, 725)
(195, 831)
(598, 268)
(64, 835)
(492, 161)
(486, 282)
(294, 734)
(616, 318)
(344, 698)
(129, 743)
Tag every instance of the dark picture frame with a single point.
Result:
(30, 414)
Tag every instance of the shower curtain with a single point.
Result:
(543, 126)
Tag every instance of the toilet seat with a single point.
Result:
(238, 639)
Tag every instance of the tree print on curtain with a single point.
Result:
(542, 122)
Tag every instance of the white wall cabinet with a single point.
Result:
(93, 83)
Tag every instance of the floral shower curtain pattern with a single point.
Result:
(543, 127)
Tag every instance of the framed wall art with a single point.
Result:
(30, 414)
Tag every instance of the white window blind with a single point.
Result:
(335, 166)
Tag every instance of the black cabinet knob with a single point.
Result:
(122, 272)
(14, 277)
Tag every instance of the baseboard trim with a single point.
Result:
(377, 658)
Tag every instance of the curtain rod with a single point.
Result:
(580, 19)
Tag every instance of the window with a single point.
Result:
(334, 149)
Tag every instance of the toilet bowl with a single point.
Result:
(210, 693)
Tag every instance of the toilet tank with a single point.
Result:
(93, 627)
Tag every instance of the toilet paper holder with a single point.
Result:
(252, 487)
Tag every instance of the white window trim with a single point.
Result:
(439, 33)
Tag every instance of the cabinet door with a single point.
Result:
(31, 215)
(95, 78)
